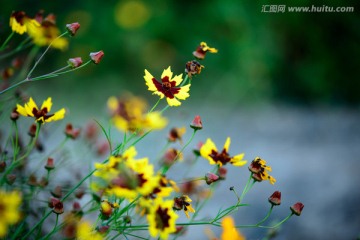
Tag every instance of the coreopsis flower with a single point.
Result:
(193, 68)
(183, 203)
(209, 151)
(161, 218)
(164, 188)
(297, 208)
(260, 170)
(202, 49)
(176, 134)
(124, 176)
(48, 33)
(106, 208)
(169, 87)
(229, 230)
(85, 231)
(21, 23)
(9, 210)
(130, 113)
(41, 115)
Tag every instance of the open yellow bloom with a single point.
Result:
(260, 170)
(183, 203)
(229, 230)
(30, 109)
(130, 113)
(9, 210)
(21, 23)
(168, 87)
(84, 231)
(209, 151)
(161, 218)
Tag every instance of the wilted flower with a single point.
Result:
(169, 87)
(193, 68)
(176, 134)
(57, 192)
(202, 49)
(260, 170)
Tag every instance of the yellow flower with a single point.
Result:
(130, 114)
(209, 151)
(168, 87)
(47, 33)
(229, 230)
(9, 210)
(84, 231)
(161, 218)
(125, 176)
(41, 115)
(201, 50)
(183, 203)
(21, 23)
(260, 170)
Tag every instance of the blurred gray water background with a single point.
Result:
(284, 86)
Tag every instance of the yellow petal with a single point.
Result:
(167, 72)
(57, 115)
(113, 104)
(178, 79)
(149, 81)
(29, 106)
(173, 102)
(227, 144)
(47, 104)
(183, 93)
(21, 110)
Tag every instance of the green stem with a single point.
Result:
(3, 46)
(43, 54)
(267, 215)
(260, 226)
(152, 109)
(53, 231)
(37, 225)
(246, 187)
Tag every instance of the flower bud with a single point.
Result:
(297, 208)
(103, 229)
(196, 123)
(222, 173)
(56, 205)
(32, 130)
(2, 166)
(49, 164)
(43, 182)
(10, 179)
(96, 56)
(75, 62)
(77, 209)
(14, 115)
(105, 209)
(210, 178)
(275, 198)
(57, 192)
(79, 193)
(71, 132)
(32, 181)
(72, 28)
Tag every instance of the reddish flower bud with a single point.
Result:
(71, 132)
(103, 229)
(91, 131)
(10, 179)
(297, 208)
(75, 62)
(222, 173)
(275, 198)
(14, 115)
(102, 148)
(196, 123)
(77, 209)
(79, 193)
(56, 205)
(32, 130)
(72, 28)
(50, 164)
(32, 181)
(170, 156)
(57, 192)
(43, 182)
(96, 56)
(7, 73)
(2, 166)
(210, 178)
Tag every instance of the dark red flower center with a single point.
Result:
(162, 218)
(41, 113)
(222, 157)
(166, 87)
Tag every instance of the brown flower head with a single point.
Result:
(202, 49)
(193, 68)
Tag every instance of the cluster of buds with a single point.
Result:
(275, 200)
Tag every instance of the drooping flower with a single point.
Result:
(260, 170)
(130, 113)
(161, 218)
(202, 49)
(9, 210)
(124, 176)
(48, 33)
(21, 23)
(209, 151)
(169, 87)
(183, 203)
(41, 115)
(193, 68)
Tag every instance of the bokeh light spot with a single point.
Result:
(131, 14)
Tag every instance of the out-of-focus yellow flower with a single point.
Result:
(130, 113)
(183, 203)
(48, 33)
(209, 151)
(260, 170)
(131, 14)
(161, 218)
(201, 50)
(125, 176)
(229, 230)
(21, 23)
(169, 87)
(9, 210)
(41, 115)
(84, 231)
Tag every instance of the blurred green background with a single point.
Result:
(305, 58)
